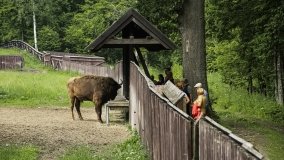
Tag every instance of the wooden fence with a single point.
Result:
(217, 142)
(11, 62)
(166, 131)
(101, 70)
(55, 59)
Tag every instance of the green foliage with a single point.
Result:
(94, 19)
(111, 55)
(243, 40)
(48, 39)
(177, 71)
(160, 59)
(164, 15)
(13, 152)
(7, 19)
(228, 99)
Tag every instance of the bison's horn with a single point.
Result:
(121, 82)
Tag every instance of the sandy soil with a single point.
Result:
(54, 131)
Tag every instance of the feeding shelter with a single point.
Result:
(131, 32)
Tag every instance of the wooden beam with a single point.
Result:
(142, 61)
(131, 41)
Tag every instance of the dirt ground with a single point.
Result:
(54, 131)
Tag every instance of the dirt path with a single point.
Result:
(53, 130)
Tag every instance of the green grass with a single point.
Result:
(33, 89)
(238, 101)
(131, 149)
(34, 86)
(78, 153)
(255, 118)
(13, 152)
(10, 51)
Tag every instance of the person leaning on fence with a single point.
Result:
(180, 85)
(187, 90)
(198, 106)
(199, 85)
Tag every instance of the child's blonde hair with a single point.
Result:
(200, 91)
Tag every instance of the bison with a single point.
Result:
(97, 89)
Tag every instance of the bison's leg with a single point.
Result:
(97, 99)
(72, 106)
(77, 105)
(99, 111)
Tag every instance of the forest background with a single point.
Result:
(244, 40)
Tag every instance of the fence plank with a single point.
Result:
(221, 143)
(11, 62)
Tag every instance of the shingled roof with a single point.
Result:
(136, 31)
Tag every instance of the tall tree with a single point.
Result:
(187, 20)
(192, 28)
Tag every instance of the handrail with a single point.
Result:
(26, 46)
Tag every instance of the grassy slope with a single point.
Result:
(255, 118)
(34, 86)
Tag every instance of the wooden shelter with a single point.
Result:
(131, 32)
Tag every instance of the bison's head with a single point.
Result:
(116, 87)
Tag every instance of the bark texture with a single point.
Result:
(193, 41)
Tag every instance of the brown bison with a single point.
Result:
(91, 88)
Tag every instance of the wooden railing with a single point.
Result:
(24, 46)
(167, 132)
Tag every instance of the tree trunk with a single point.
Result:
(34, 26)
(192, 27)
(279, 89)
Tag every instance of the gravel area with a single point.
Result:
(54, 131)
